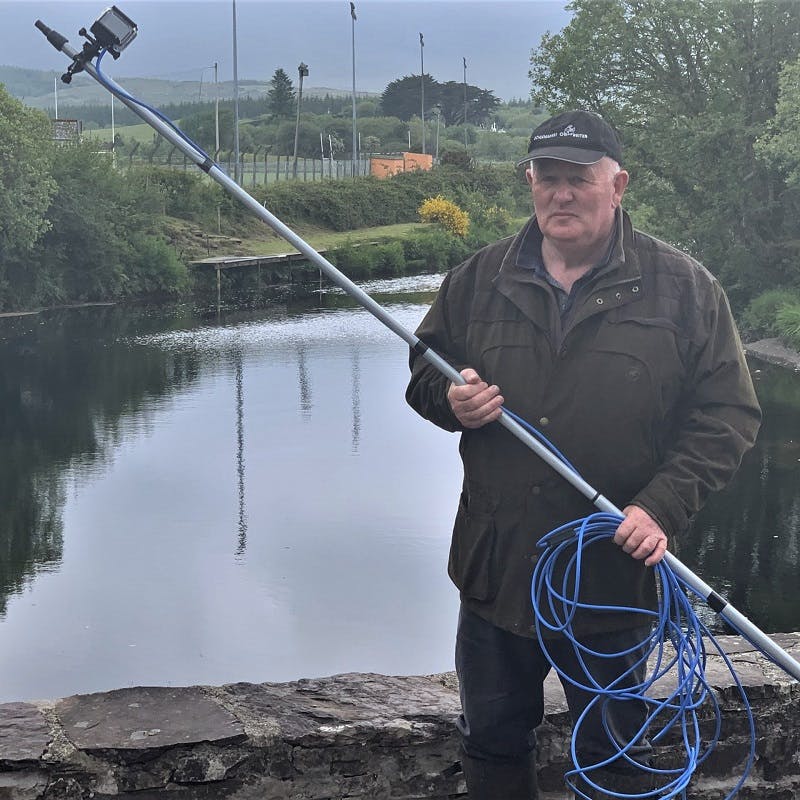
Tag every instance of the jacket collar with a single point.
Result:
(622, 270)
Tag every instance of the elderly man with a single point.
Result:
(624, 351)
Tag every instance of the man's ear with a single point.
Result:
(529, 175)
(620, 184)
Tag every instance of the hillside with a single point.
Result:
(36, 88)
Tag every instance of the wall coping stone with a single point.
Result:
(347, 736)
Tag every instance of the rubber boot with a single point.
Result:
(616, 784)
(500, 780)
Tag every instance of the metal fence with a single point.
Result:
(259, 169)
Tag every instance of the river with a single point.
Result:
(202, 496)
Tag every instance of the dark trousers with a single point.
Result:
(502, 698)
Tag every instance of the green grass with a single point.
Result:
(321, 239)
(142, 133)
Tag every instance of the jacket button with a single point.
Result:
(544, 422)
(635, 289)
(599, 301)
(536, 490)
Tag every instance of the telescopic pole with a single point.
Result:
(718, 604)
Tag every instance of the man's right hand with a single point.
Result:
(475, 403)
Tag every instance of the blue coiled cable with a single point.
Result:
(120, 92)
(673, 654)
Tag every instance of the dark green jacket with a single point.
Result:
(644, 388)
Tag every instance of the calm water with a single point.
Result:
(194, 499)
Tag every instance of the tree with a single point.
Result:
(481, 103)
(26, 185)
(780, 145)
(691, 86)
(402, 99)
(281, 97)
(201, 127)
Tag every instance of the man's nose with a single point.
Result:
(563, 193)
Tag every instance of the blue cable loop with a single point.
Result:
(118, 91)
(674, 656)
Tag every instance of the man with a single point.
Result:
(624, 351)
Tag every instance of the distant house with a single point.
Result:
(386, 166)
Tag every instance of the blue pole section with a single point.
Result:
(718, 604)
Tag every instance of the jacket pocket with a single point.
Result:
(472, 566)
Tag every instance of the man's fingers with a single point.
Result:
(657, 554)
(640, 536)
(474, 403)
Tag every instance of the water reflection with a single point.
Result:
(63, 393)
(745, 541)
(183, 508)
(242, 526)
(193, 501)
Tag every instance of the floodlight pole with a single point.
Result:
(465, 102)
(422, 88)
(302, 71)
(355, 148)
(718, 604)
(236, 170)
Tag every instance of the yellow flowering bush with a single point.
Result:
(446, 213)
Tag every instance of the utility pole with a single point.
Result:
(113, 136)
(302, 71)
(465, 102)
(216, 113)
(355, 141)
(422, 87)
(237, 176)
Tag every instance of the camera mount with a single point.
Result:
(112, 31)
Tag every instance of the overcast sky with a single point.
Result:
(179, 38)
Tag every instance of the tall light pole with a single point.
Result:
(302, 71)
(465, 102)
(216, 112)
(236, 171)
(355, 140)
(55, 91)
(213, 66)
(422, 87)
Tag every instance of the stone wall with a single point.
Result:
(348, 736)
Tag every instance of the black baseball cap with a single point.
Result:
(580, 137)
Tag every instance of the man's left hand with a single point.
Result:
(640, 536)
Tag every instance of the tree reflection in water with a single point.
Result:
(78, 387)
(745, 541)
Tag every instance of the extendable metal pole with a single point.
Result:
(718, 604)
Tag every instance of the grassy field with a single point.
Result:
(142, 133)
(197, 244)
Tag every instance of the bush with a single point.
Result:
(760, 318)
(460, 159)
(788, 324)
(390, 259)
(153, 267)
(446, 213)
(435, 250)
(349, 205)
(355, 262)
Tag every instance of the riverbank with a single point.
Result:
(354, 735)
(774, 352)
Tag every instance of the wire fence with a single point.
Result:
(259, 169)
